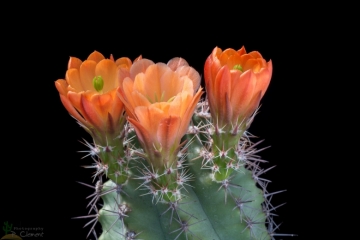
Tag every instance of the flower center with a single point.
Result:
(98, 83)
(161, 98)
(238, 67)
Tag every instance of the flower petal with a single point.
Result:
(87, 74)
(124, 62)
(167, 133)
(74, 63)
(192, 74)
(108, 71)
(73, 112)
(140, 66)
(61, 85)
(73, 79)
(96, 56)
(177, 62)
(243, 90)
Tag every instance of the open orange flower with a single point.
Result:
(235, 83)
(160, 100)
(89, 94)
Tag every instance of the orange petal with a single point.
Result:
(177, 62)
(168, 132)
(234, 60)
(255, 54)
(125, 95)
(209, 82)
(241, 51)
(142, 134)
(242, 93)
(73, 79)
(117, 108)
(102, 103)
(75, 99)
(140, 66)
(149, 118)
(186, 117)
(244, 59)
(122, 74)
(61, 85)
(124, 62)
(108, 71)
(152, 87)
(74, 63)
(73, 112)
(87, 74)
(253, 104)
(96, 56)
(90, 113)
(222, 88)
(224, 56)
(252, 64)
(138, 99)
(138, 58)
(263, 78)
(192, 74)
(170, 85)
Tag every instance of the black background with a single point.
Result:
(41, 165)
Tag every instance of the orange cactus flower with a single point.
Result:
(235, 83)
(89, 94)
(160, 100)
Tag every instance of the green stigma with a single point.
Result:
(238, 67)
(98, 83)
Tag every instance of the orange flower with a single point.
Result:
(235, 83)
(160, 100)
(89, 94)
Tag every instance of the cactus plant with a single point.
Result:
(168, 163)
